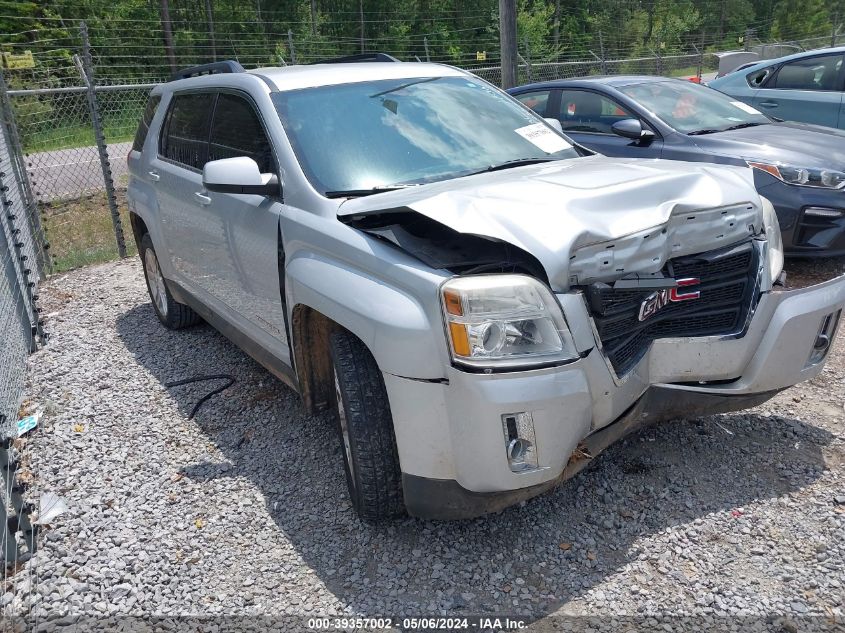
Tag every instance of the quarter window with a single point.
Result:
(811, 73)
(758, 77)
(185, 139)
(146, 120)
(537, 100)
(583, 111)
(237, 131)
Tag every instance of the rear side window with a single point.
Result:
(537, 101)
(810, 73)
(185, 138)
(237, 131)
(146, 120)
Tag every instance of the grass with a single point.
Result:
(70, 136)
(80, 231)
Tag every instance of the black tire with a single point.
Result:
(370, 458)
(171, 313)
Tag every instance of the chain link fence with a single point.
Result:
(22, 266)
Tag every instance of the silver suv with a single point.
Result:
(484, 304)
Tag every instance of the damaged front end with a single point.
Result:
(698, 272)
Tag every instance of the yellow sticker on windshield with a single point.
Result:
(543, 137)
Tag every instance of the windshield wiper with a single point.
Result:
(698, 132)
(357, 193)
(739, 126)
(517, 162)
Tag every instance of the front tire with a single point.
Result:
(171, 313)
(365, 426)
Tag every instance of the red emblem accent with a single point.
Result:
(656, 301)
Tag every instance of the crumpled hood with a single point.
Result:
(588, 219)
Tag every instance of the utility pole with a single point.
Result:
(361, 16)
(556, 24)
(507, 41)
(314, 17)
(167, 31)
(209, 15)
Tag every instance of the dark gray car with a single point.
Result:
(799, 167)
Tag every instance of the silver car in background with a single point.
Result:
(485, 305)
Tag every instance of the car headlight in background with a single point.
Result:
(804, 176)
(772, 228)
(504, 321)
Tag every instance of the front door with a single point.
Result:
(247, 272)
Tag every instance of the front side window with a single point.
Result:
(392, 132)
(584, 111)
(537, 100)
(693, 109)
(810, 73)
(185, 139)
(237, 131)
(146, 120)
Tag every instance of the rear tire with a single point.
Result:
(171, 313)
(365, 427)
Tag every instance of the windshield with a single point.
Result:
(689, 107)
(370, 136)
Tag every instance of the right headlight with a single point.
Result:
(802, 176)
(774, 238)
(504, 321)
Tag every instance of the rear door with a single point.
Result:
(142, 192)
(537, 100)
(588, 117)
(808, 89)
(177, 174)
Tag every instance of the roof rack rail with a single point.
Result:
(228, 66)
(361, 57)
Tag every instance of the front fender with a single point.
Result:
(392, 323)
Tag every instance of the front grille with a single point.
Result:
(727, 292)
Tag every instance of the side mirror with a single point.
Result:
(238, 175)
(633, 129)
(555, 124)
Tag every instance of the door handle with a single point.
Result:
(154, 175)
(203, 199)
(768, 104)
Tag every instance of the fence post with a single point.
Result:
(87, 71)
(28, 202)
(291, 48)
(427, 55)
(700, 52)
(601, 50)
(527, 60)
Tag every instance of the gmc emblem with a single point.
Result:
(656, 301)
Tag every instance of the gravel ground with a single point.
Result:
(243, 509)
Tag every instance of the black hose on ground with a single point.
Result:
(214, 392)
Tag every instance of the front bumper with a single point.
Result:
(805, 235)
(450, 435)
